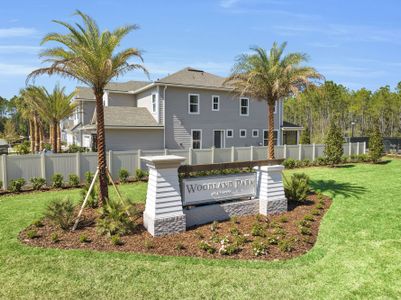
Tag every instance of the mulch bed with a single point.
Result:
(285, 228)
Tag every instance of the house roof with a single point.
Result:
(122, 116)
(194, 77)
(290, 125)
(87, 93)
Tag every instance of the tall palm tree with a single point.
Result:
(53, 107)
(270, 76)
(89, 55)
(25, 106)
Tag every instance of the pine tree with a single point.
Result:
(333, 150)
(305, 136)
(376, 147)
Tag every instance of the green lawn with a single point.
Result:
(358, 253)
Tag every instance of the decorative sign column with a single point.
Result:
(163, 211)
(270, 189)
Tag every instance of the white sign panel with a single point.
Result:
(216, 188)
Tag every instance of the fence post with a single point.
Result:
(357, 148)
(349, 149)
(4, 171)
(78, 164)
(364, 147)
(138, 162)
(111, 162)
(232, 153)
(313, 151)
(190, 161)
(300, 152)
(251, 156)
(43, 166)
(212, 154)
(285, 151)
(165, 151)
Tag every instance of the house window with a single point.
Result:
(193, 104)
(196, 138)
(154, 103)
(230, 133)
(242, 133)
(244, 107)
(215, 103)
(255, 132)
(266, 137)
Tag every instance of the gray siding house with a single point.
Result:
(188, 109)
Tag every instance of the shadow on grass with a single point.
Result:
(344, 166)
(383, 162)
(335, 188)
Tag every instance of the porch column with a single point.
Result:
(270, 189)
(163, 209)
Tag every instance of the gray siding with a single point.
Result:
(131, 139)
(119, 99)
(178, 123)
(144, 99)
(88, 108)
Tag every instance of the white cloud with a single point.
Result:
(349, 71)
(17, 32)
(15, 69)
(228, 3)
(19, 49)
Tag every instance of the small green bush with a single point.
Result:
(179, 246)
(334, 140)
(297, 188)
(319, 206)
(199, 234)
(309, 218)
(73, 180)
(289, 163)
(315, 212)
(61, 212)
(304, 223)
(16, 185)
(117, 218)
(259, 248)
(235, 231)
(258, 230)
(273, 240)
(38, 223)
(54, 237)
(283, 219)
(321, 161)
(123, 175)
(75, 148)
(240, 240)
(37, 183)
(57, 180)
(214, 226)
(376, 146)
(234, 220)
(229, 249)
(205, 246)
(22, 149)
(116, 240)
(286, 245)
(305, 230)
(140, 174)
(149, 244)
(32, 234)
(84, 239)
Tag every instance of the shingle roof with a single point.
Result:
(194, 77)
(289, 125)
(122, 116)
(87, 93)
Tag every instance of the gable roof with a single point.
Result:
(290, 125)
(194, 77)
(123, 116)
(87, 93)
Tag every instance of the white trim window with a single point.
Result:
(215, 103)
(255, 133)
(242, 133)
(229, 133)
(266, 135)
(275, 107)
(244, 106)
(196, 138)
(193, 104)
(154, 103)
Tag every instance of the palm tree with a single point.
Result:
(9, 133)
(90, 56)
(270, 77)
(53, 107)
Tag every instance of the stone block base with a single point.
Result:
(220, 212)
(163, 226)
(276, 206)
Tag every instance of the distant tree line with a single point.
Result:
(318, 105)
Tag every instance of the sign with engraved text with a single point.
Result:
(217, 188)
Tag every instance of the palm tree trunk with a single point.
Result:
(42, 136)
(101, 149)
(37, 137)
(54, 137)
(32, 135)
(51, 134)
(58, 138)
(270, 152)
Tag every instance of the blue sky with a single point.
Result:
(356, 43)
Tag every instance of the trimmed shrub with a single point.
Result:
(54, 237)
(37, 183)
(333, 150)
(140, 174)
(258, 230)
(116, 240)
(22, 148)
(75, 148)
(259, 248)
(376, 146)
(116, 218)
(123, 175)
(84, 239)
(61, 212)
(32, 234)
(289, 163)
(205, 246)
(297, 188)
(73, 180)
(57, 180)
(16, 185)
(286, 245)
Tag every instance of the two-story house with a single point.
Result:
(190, 108)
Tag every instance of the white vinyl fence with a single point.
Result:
(45, 165)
